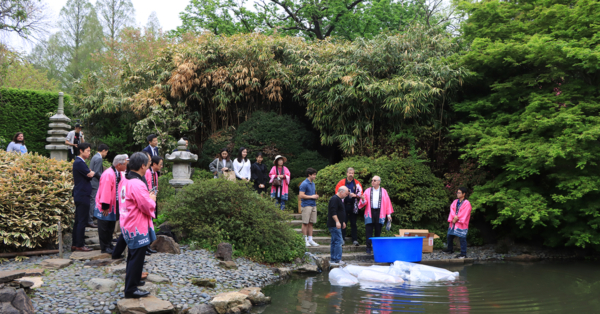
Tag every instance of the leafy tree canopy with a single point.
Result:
(533, 116)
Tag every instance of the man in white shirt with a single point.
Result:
(74, 138)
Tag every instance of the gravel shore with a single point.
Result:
(66, 290)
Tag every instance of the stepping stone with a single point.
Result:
(56, 263)
(102, 262)
(117, 269)
(91, 255)
(202, 309)
(256, 296)
(147, 305)
(231, 302)
(282, 271)
(10, 275)
(227, 264)
(157, 278)
(30, 282)
(307, 269)
(102, 285)
(34, 272)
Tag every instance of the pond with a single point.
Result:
(544, 287)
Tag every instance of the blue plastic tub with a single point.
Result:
(391, 249)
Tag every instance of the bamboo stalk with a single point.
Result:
(60, 241)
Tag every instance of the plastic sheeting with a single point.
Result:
(340, 277)
(395, 274)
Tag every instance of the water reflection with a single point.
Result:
(482, 288)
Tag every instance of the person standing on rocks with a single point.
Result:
(280, 179)
(82, 175)
(335, 223)
(355, 189)
(106, 209)
(379, 206)
(460, 214)
(137, 207)
(259, 174)
(308, 196)
(97, 168)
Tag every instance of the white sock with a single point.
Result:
(309, 238)
(305, 238)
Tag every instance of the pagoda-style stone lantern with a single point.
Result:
(59, 128)
(182, 170)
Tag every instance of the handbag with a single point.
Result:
(229, 175)
(276, 181)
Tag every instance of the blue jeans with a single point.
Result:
(336, 244)
(463, 244)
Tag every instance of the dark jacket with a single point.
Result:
(148, 149)
(259, 174)
(83, 187)
(336, 208)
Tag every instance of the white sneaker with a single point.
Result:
(341, 263)
(313, 243)
(307, 243)
(332, 264)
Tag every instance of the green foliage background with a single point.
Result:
(217, 210)
(28, 111)
(532, 117)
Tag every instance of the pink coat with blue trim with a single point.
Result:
(385, 206)
(136, 209)
(107, 194)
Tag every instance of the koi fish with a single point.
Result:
(330, 294)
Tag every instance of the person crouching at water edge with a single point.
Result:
(106, 208)
(137, 206)
(336, 216)
(460, 214)
(379, 206)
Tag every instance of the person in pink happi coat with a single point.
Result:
(378, 208)
(460, 214)
(137, 206)
(106, 209)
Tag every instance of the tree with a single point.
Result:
(313, 19)
(531, 117)
(80, 36)
(49, 56)
(18, 73)
(153, 24)
(114, 16)
(26, 18)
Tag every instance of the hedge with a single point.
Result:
(27, 111)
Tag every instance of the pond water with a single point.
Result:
(544, 287)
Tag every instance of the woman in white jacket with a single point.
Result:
(242, 165)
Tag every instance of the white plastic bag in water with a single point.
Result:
(373, 276)
(340, 277)
(355, 270)
(423, 273)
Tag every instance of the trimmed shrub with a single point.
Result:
(35, 193)
(28, 111)
(417, 195)
(214, 211)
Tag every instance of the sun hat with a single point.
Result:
(278, 157)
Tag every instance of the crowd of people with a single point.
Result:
(124, 198)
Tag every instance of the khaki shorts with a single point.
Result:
(309, 214)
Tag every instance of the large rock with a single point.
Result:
(148, 286)
(231, 302)
(117, 269)
(56, 263)
(307, 269)
(168, 230)
(30, 282)
(34, 272)
(156, 278)
(164, 244)
(202, 309)
(149, 305)
(15, 301)
(224, 252)
(227, 264)
(256, 296)
(282, 271)
(10, 275)
(102, 285)
(91, 255)
(209, 283)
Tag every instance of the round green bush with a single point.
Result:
(418, 197)
(215, 211)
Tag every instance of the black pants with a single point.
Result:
(105, 231)
(82, 213)
(375, 226)
(351, 218)
(119, 248)
(135, 265)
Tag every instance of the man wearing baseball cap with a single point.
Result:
(73, 139)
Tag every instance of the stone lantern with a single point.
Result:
(182, 170)
(59, 128)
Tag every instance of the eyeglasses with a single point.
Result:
(374, 180)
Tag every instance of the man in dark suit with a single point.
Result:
(82, 175)
(152, 148)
